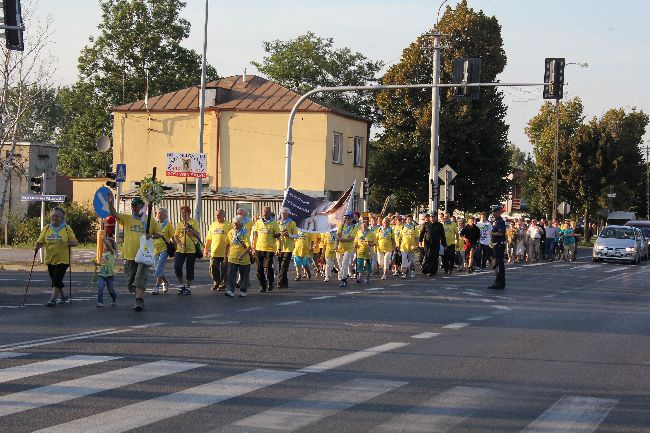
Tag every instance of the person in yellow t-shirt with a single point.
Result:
(188, 242)
(160, 250)
(286, 244)
(328, 245)
(408, 245)
(302, 254)
(215, 248)
(316, 255)
(385, 246)
(451, 229)
(364, 242)
(266, 231)
(238, 252)
(398, 223)
(134, 228)
(57, 238)
(345, 235)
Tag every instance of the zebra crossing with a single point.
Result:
(439, 411)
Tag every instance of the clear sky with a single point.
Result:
(611, 36)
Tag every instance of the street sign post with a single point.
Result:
(100, 202)
(564, 208)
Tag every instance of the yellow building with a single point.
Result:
(244, 138)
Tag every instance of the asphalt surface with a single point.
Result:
(564, 348)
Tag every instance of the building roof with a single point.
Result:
(209, 194)
(234, 94)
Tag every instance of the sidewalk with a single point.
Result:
(19, 258)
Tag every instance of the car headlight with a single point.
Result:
(630, 249)
(599, 247)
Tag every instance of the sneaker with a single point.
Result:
(404, 276)
(155, 290)
(51, 302)
(343, 283)
(243, 294)
(181, 289)
(100, 304)
(139, 305)
(187, 291)
(222, 286)
(413, 274)
(326, 280)
(383, 277)
(215, 287)
(64, 300)
(165, 286)
(114, 302)
(394, 273)
(230, 293)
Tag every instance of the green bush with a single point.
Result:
(23, 229)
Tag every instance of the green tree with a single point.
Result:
(518, 158)
(473, 134)
(310, 61)
(538, 190)
(138, 39)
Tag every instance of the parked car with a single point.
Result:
(619, 243)
(644, 226)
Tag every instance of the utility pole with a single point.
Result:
(434, 183)
(43, 192)
(647, 183)
(555, 156)
(199, 181)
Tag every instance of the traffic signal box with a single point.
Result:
(554, 77)
(466, 71)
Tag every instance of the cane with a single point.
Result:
(29, 280)
(70, 273)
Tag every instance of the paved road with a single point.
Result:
(564, 349)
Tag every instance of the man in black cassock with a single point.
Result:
(431, 236)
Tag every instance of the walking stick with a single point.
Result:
(70, 273)
(29, 280)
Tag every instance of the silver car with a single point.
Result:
(619, 243)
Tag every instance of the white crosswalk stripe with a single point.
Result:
(441, 413)
(572, 415)
(300, 413)
(52, 365)
(170, 405)
(4, 355)
(64, 391)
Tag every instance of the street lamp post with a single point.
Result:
(556, 150)
(199, 181)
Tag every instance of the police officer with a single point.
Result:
(499, 241)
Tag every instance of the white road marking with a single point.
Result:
(609, 271)
(572, 415)
(374, 289)
(351, 357)
(289, 303)
(479, 318)
(148, 325)
(455, 326)
(207, 316)
(298, 414)
(71, 337)
(441, 413)
(49, 366)
(549, 296)
(5, 355)
(349, 293)
(425, 335)
(396, 285)
(564, 291)
(471, 293)
(533, 264)
(171, 405)
(488, 301)
(612, 277)
(71, 389)
(318, 298)
(249, 309)
(501, 307)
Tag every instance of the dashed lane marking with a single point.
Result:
(243, 310)
(479, 318)
(455, 326)
(319, 298)
(425, 335)
(289, 303)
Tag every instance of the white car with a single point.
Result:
(619, 243)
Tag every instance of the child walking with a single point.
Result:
(107, 272)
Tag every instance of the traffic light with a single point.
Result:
(554, 76)
(466, 71)
(111, 183)
(13, 18)
(37, 182)
(365, 190)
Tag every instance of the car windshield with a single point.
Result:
(646, 232)
(617, 233)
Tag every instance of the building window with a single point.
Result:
(358, 146)
(334, 195)
(337, 148)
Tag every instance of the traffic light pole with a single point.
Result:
(434, 181)
(43, 191)
(555, 156)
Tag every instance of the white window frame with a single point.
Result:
(358, 151)
(337, 148)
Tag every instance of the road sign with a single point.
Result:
(447, 193)
(43, 197)
(447, 174)
(564, 208)
(100, 202)
(187, 165)
(120, 173)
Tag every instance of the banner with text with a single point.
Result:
(313, 215)
(187, 165)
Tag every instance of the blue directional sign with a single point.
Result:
(100, 202)
(120, 173)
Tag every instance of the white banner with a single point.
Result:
(187, 164)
